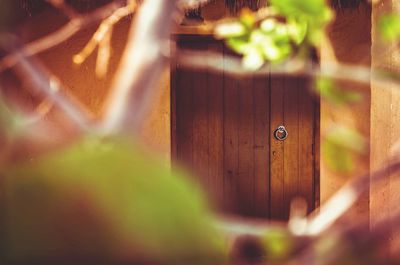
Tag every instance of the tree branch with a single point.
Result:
(297, 66)
(64, 8)
(345, 198)
(48, 86)
(64, 33)
(143, 62)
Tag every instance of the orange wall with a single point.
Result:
(82, 82)
(351, 42)
(385, 127)
(91, 91)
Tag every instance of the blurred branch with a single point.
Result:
(187, 4)
(64, 33)
(321, 221)
(64, 8)
(296, 66)
(44, 83)
(345, 198)
(102, 38)
(143, 61)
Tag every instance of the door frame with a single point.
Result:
(316, 133)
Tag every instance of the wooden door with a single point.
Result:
(223, 129)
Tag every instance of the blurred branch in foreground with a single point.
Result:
(145, 57)
(296, 66)
(76, 24)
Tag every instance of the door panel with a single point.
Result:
(224, 133)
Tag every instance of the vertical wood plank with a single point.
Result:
(215, 87)
(317, 152)
(224, 132)
(200, 119)
(261, 147)
(291, 144)
(173, 111)
(231, 151)
(277, 187)
(184, 115)
(306, 142)
(246, 172)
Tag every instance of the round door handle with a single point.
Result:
(280, 133)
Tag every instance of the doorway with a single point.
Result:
(227, 131)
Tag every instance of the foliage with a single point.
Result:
(103, 198)
(11, 123)
(339, 146)
(389, 26)
(332, 93)
(292, 28)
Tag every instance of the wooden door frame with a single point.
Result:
(316, 133)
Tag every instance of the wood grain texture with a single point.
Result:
(277, 184)
(215, 85)
(291, 144)
(231, 142)
(246, 169)
(184, 116)
(230, 123)
(200, 121)
(261, 146)
(307, 141)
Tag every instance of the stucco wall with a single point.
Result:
(385, 126)
(351, 42)
(350, 35)
(92, 91)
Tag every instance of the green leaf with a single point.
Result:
(11, 123)
(103, 199)
(253, 59)
(330, 92)
(389, 27)
(247, 18)
(274, 45)
(340, 145)
(268, 25)
(239, 45)
(312, 8)
(314, 13)
(278, 244)
(297, 30)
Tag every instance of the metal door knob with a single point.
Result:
(280, 133)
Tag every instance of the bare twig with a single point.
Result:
(144, 60)
(62, 34)
(186, 4)
(296, 66)
(64, 8)
(345, 198)
(48, 86)
(321, 221)
(102, 36)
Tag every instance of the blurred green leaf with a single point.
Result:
(253, 58)
(297, 30)
(247, 18)
(330, 92)
(389, 26)
(274, 40)
(268, 25)
(278, 243)
(104, 199)
(339, 147)
(11, 123)
(238, 45)
(313, 13)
